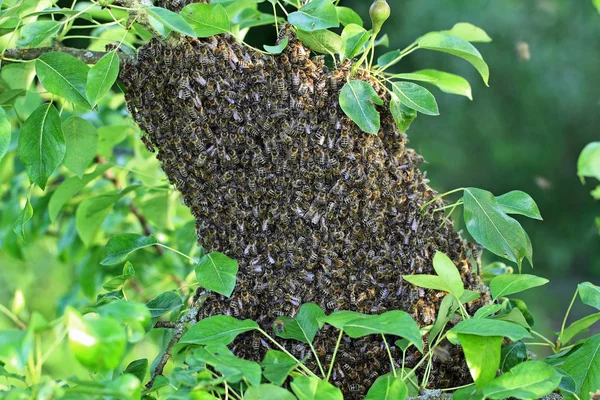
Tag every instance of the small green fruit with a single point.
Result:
(379, 12)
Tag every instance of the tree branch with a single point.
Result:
(87, 56)
(178, 330)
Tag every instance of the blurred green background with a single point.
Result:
(524, 132)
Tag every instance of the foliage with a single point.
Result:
(81, 175)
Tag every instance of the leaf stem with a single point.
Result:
(539, 335)
(13, 317)
(192, 261)
(280, 347)
(389, 352)
(436, 198)
(337, 345)
(562, 328)
(318, 361)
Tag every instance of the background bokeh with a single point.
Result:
(523, 132)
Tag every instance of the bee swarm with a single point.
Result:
(312, 208)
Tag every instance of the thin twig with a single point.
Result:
(190, 317)
(165, 324)
(87, 56)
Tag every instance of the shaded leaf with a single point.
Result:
(304, 326)
(24, 217)
(321, 41)
(357, 100)
(277, 49)
(34, 34)
(137, 368)
(512, 354)
(172, 20)
(135, 316)
(42, 144)
(387, 387)
(82, 143)
(277, 366)
(232, 368)
(403, 116)
(518, 202)
(310, 388)
(164, 303)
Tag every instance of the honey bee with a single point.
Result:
(278, 326)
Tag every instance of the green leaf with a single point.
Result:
(483, 356)
(42, 144)
(218, 329)
(567, 383)
(120, 246)
(164, 303)
(117, 282)
(487, 310)
(304, 326)
(518, 202)
(521, 306)
(512, 354)
(491, 227)
(321, 41)
(448, 307)
(515, 316)
(69, 188)
(8, 97)
(458, 47)
(416, 97)
(446, 82)
(427, 281)
(232, 368)
(348, 16)
(137, 368)
(277, 366)
(24, 216)
(388, 59)
(490, 327)
(579, 326)
(339, 318)
(277, 49)
(584, 366)
(15, 347)
(589, 294)
(446, 270)
(102, 76)
(505, 285)
(387, 387)
(90, 215)
(357, 100)
(398, 323)
(403, 116)
(311, 388)
(37, 33)
(354, 38)
(63, 75)
(97, 342)
(172, 20)
(135, 316)
(596, 4)
(469, 32)
(82, 143)
(528, 380)
(217, 272)
(468, 393)
(588, 164)
(267, 391)
(494, 269)
(206, 19)
(314, 16)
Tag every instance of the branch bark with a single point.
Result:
(178, 330)
(87, 56)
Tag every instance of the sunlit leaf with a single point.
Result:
(589, 294)
(505, 285)
(315, 15)
(446, 82)
(120, 246)
(91, 213)
(357, 100)
(267, 391)
(135, 316)
(24, 217)
(42, 144)
(102, 76)
(304, 326)
(348, 16)
(491, 227)
(458, 47)
(580, 326)
(217, 272)
(528, 380)
(483, 356)
(164, 303)
(469, 32)
(388, 387)
(403, 116)
(339, 318)
(64, 76)
(36, 33)
(321, 41)
(311, 388)
(354, 37)
(206, 19)
(277, 366)
(491, 327)
(416, 97)
(232, 368)
(172, 20)
(588, 164)
(277, 49)
(218, 329)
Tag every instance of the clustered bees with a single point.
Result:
(278, 178)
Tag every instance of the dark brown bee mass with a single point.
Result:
(313, 209)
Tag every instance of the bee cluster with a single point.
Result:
(278, 178)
